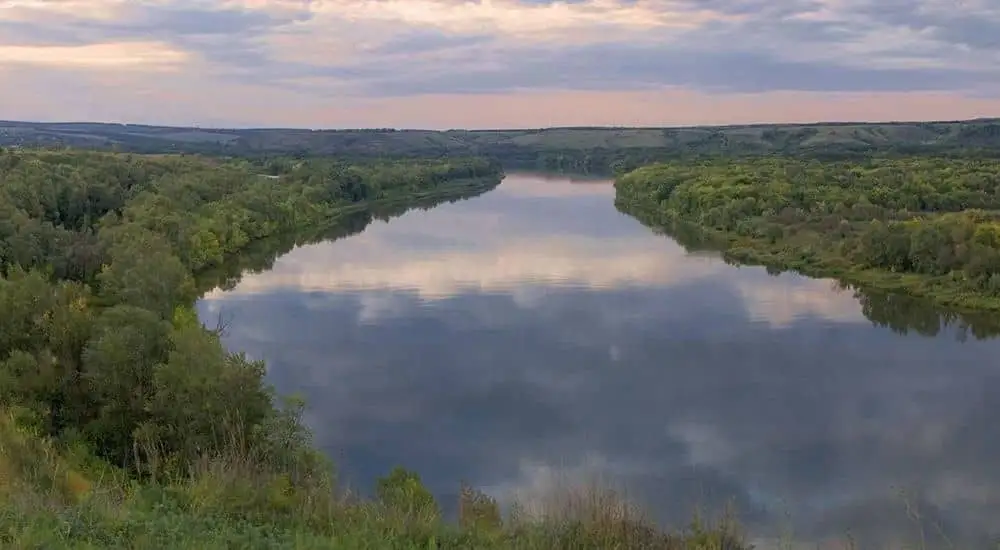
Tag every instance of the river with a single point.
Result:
(534, 336)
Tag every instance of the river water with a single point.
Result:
(535, 337)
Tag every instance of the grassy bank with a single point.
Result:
(56, 498)
(924, 226)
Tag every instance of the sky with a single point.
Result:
(497, 63)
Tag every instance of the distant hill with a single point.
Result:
(577, 149)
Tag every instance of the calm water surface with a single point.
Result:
(534, 335)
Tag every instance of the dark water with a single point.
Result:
(534, 335)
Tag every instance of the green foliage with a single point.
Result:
(117, 376)
(926, 225)
(52, 498)
(478, 511)
(403, 493)
(202, 400)
(100, 253)
(125, 424)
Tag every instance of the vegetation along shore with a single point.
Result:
(124, 423)
(927, 226)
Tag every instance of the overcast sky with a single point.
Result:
(496, 63)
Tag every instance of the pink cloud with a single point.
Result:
(175, 100)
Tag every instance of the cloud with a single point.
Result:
(639, 66)
(371, 266)
(146, 56)
(333, 56)
(781, 301)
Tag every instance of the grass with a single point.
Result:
(57, 496)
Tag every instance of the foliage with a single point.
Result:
(926, 225)
(100, 254)
(60, 498)
(125, 424)
(402, 491)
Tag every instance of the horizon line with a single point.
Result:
(512, 129)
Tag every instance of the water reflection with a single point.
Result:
(904, 314)
(260, 256)
(535, 330)
(900, 312)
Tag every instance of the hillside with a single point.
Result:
(575, 149)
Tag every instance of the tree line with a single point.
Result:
(593, 150)
(99, 256)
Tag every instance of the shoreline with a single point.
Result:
(690, 198)
(752, 252)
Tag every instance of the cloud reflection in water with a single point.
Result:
(536, 332)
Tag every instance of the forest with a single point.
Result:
(99, 255)
(928, 226)
(590, 150)
(124, 422)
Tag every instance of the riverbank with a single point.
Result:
(55, 497)
(124, 423)
(896, 225)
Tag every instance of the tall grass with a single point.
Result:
(55, 496)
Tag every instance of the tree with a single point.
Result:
(143, 272)
(128, 342)
(204, 399)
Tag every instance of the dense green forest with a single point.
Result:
(124, 423)
(924, 225)
(579, 150)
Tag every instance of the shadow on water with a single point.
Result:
(899, 312)
(261, 255)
